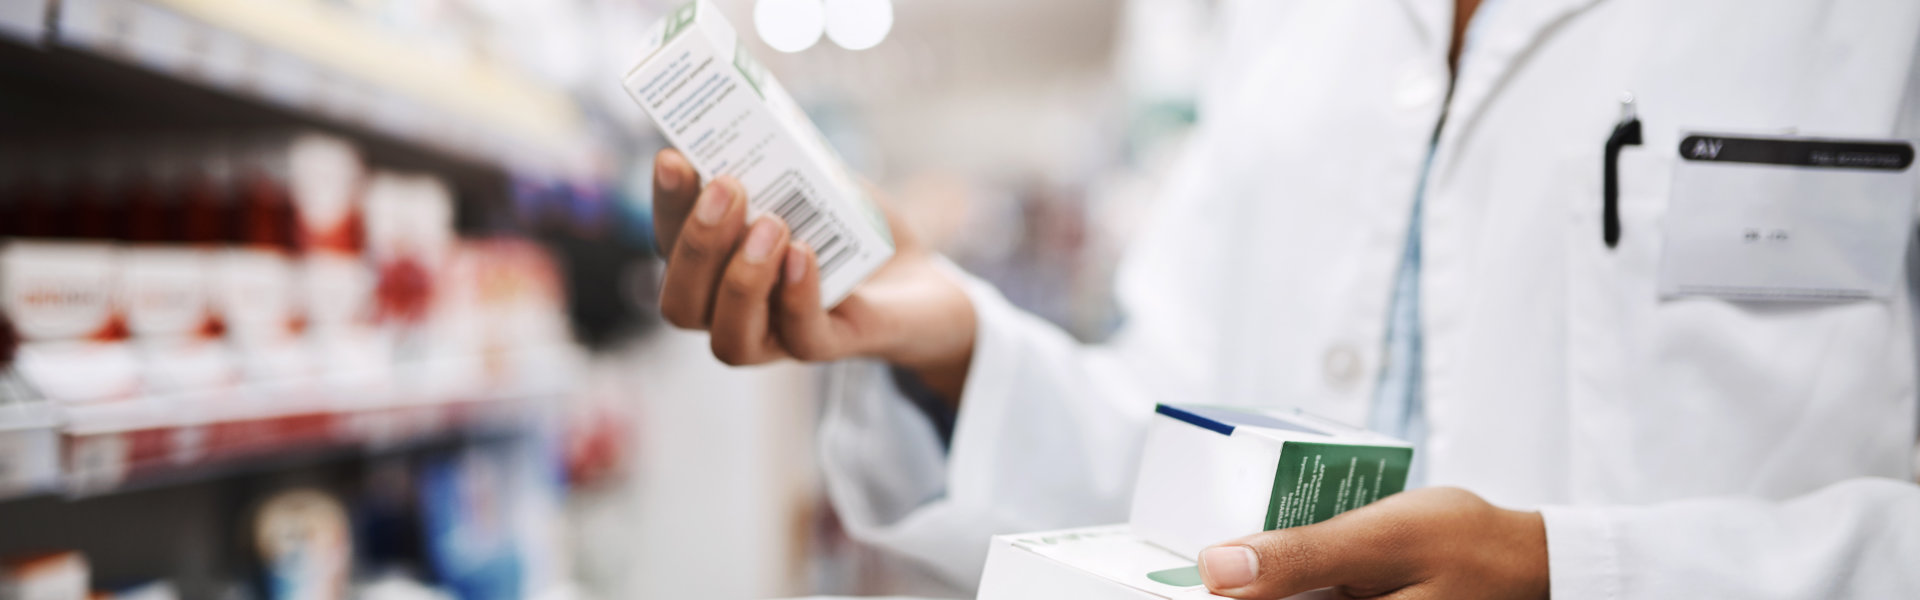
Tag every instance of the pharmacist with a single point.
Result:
(1683, 369)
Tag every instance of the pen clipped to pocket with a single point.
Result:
(1625, 133)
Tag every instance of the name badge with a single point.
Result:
(1761, 218)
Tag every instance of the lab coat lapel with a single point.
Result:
(1434, 19)
(1517, 27)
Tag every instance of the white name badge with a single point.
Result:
(1761, 218)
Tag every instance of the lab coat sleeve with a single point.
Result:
(1855, 539)
(1048, 430)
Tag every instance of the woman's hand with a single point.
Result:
(757, 292)
(1427, 543)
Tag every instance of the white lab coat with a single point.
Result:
(1694, 447)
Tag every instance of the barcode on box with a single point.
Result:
(759, 136)
(831, 243)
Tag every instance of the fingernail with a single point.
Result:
(1228, 567)
(760, 241)
(713, 204)
(669, 178)
(796, 263)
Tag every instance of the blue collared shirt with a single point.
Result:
(1399, 402)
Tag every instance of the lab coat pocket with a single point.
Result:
(1673, 397)
(1623, 273)
(1779, 218)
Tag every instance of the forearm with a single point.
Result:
(1047, 436)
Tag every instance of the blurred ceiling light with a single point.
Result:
(859, 24)
(789, 25)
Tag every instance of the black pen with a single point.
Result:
(1626, 133)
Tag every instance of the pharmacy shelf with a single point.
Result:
(161, 441)
(314, 59)
(113, 447)
(29, 448)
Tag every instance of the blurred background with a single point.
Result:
(356, 298)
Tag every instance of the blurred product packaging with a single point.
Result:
(273, 263)
(303, 542)
(60, 278)
(149, 590)
(168, 276)
(51, 576)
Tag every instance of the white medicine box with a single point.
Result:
(1093, 563)
(730, 117)
(1212, 474)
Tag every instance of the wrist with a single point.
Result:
(944, 371)
(1529, 544)
(938, 342)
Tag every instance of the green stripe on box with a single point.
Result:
(682, 17)
(1316, 481)
(1177, 576)
(750, 69)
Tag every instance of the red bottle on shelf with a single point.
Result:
(166, 273)
(256, 277)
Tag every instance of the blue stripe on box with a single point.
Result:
(1223, 420)
(1194, 419)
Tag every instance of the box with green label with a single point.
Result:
(729, 117)
(1210, 474)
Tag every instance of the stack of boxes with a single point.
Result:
(59, 279)
(1208, 475)
(273, 270)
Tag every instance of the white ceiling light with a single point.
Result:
(789, 25)
(859, 24)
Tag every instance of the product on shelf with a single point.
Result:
(327, 180)
(188, 299)
(304, 543)
(409, 236)
(51, 576)
(256, 273)
(484, 536)
(467, 316)
(148, 264)
(167, 264)
(151, 590)
(63, 298)
(409, 229)
(501, 312)
(324, 178)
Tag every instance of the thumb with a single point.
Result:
(1281, 563)
(675, 186)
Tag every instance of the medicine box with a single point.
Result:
(730, 117)
(1212, 474)
(1093, 563)
(64, 300)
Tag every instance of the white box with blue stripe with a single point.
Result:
(1210, 474)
